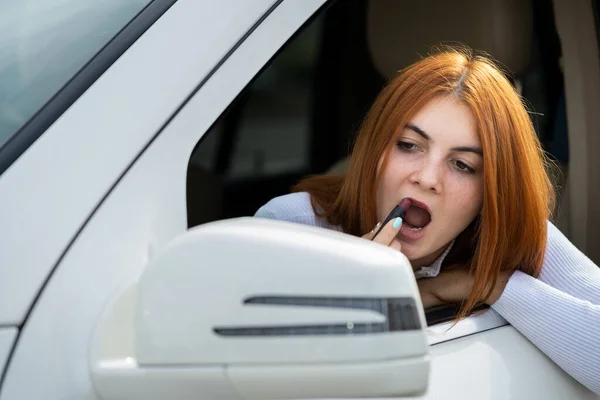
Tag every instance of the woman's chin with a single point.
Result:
(411, 252)
(417, 256)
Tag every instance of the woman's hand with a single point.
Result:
(451, 286)
(454, 285)
(387, 234)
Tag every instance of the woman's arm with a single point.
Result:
(566, 328)
(293, 207)
(560, 311)
(568, 269)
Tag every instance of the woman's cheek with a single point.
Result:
(466, 198)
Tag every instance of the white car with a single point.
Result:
(135, 135)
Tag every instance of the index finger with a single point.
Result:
(397, 212)
(388, 232)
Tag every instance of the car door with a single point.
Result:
(58, 153)
(52, 166)
(220, 46)
(483, 357)
(7, 338)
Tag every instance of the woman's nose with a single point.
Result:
(428, 176)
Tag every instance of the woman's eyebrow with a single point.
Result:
(468, 149)
(418, 130)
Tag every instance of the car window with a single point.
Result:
(44, 43)
(294, 119)
(268, 129)
(299, 115)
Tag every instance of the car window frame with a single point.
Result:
(480, 320)
(43, 118)
(57, 267)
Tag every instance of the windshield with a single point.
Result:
(44, 43)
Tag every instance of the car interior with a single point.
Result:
(298, 116)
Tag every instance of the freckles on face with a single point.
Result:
(464, 202)
(436, 160)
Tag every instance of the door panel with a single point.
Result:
(498, 364)
(48, 193)
(142, 213)
(7, 337)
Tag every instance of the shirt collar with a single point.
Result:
(425, 272)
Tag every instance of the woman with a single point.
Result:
(450, 137)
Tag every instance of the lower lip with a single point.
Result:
(409, 234)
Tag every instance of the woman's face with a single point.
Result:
(437, 162)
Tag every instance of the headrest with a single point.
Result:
(401, 31)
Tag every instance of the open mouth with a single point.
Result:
(417, 216)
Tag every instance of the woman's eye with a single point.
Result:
(406, 146)
(461, 166)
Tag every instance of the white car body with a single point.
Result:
(91, 201)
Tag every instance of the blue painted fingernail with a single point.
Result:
(397, 222)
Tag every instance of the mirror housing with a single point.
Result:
(260, 309)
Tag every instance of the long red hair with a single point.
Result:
(511, 231)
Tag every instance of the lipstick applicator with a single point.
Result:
(398, 211)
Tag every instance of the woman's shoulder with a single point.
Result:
(562, 257)
(557, 241)
(293, 207)
(286, 207)
(557, 245)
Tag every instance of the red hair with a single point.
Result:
(511, 231)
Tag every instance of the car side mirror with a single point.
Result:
(258, 309)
